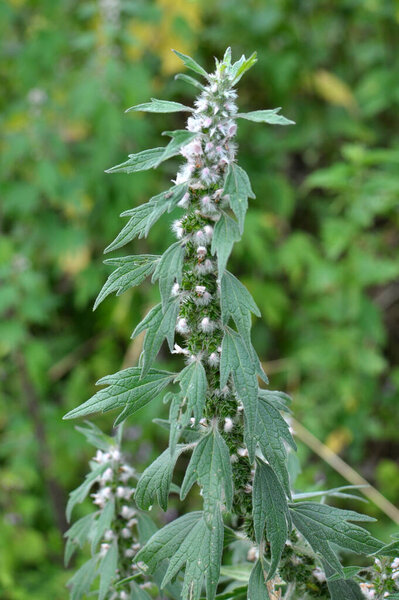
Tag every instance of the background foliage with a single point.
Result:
(319, 254)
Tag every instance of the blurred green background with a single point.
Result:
(319, 254)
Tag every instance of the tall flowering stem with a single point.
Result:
(234, 429)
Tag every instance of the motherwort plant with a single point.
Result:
(232, 429)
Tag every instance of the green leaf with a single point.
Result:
(160, 323)
(339, 492)
(78, 495)
(257, 589)
(78, 534)
(342, 589)
(242, 66)
(391, 550)
(272, 432)
(277, 399)
(240, 572)
(126, 390)
(160, 106)
(142, 161)
(191, 64)
(270, 508)
(236, 358)
(180, 138)
(95, 436)
(226, 232)
(156, 479)
(349, 572)
(107, 569)
(143, 217)
(322, 525)
(193, 384)
(130, 271)
(210, 466)
(190, 80)
(81, 582)
(238, 187)
(174, 427)
(103, 523)
(145, 527)
(169, 270)
(266, 116)
(237, 303)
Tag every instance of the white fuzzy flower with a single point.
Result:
(125, 533)
(242, 452)
(132, 522)
(115, 454)
(124, 595)
(185, 201)
(101, 497)
(127, 512)
(181, 326)
(228, 425)
(175, 289)
(109, 535)
(102, 457)
(177, 229)
(201, 251)
(395, 564)
(207, 325)
(104, 549)
(253, 553)
(129, 553)
(179, 350)
(368, 590)
(194, 124)
(203, 299)
(319, 574)
(108, 475)
(213, 359)
(199, 237)
(208, 230)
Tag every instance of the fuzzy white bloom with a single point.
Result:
(228, 425)
(125, 533)
(100, 498)
(127, 472)
(208, 231)
(213, 359)
(319, 574)
(177, 229)
(395, 564)
(199, 238)
(201, 251)
(185, 201)
(368, 590)
(104, 549)
(132, 522)
(253, 554)
(194, 124)
(242, 452)
(124, 595)
(115, 454)
(129, 553)
(109, 535)
(181, 326)
(207, 326)
(127, 512)
(179, 350)
(175, 289)
(108, 475)
(102, 457)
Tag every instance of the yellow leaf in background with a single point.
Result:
(163, 35)
(74, 261)
(339, 439)
(332, 89)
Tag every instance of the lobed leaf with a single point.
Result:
(242, 66)
(210, 466)
(270, 509)
(238, 187)
(130, 271)
(169, 269)
(272, 431)
(237, 303)
(160, 106)
(155, 482)
(237, 359)
(102, 523)
(193, 385)
(127, 390)
(266, 116)
(80, 583)
(107, 569)
(77, 535)
(142, 161)
(323, 525)
(226, 233)
(143, 217)
(160, 323)
(78, 495)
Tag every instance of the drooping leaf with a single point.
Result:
(238, 187)
(210, 466)
(190, 80)
(78, 495)
(242, 66)
(272, 430)
(339, 492)
(226, 232)
(237, 359)
(257, 589)
(323, 525)
(169, 269)
(160, 106)
(193, 385)
(191, 64)
(77, 535)
(107, 569)
(155, 482)
(81, 582)
(270, 509)
(95, 436)
(266, 116)
(126, 390)
(103, 523)
(238, 572)
(160, 324)
(192, 543)
(391, 550)
(130, 271)
(143, 217)
(277, 399)
(342, 589)
(142, 161)
(237, 303)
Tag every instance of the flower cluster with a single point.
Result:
(384, 579)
